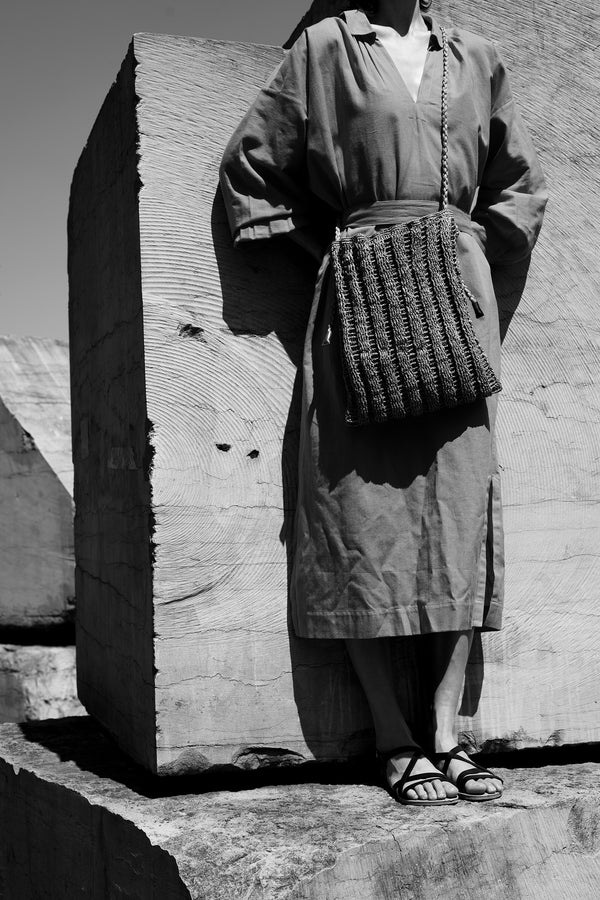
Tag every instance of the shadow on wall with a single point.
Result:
(267, 288)
(509, 284)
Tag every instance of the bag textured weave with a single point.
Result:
(408, 345)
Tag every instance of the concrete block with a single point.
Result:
(78, 819)
(37, 682)
(184, 429)
(36, 483)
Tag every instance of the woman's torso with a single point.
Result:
(368, 140)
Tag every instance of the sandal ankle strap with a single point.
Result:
(446, 757)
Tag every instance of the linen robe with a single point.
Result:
(398, 525)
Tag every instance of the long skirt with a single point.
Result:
(399, 525)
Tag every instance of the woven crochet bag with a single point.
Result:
(408, 345)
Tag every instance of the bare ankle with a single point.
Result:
(444, 740)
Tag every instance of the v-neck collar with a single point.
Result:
(400, 77)
(361, 28)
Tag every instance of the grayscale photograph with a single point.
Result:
(300, 450)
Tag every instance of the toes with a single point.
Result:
(492, 785)
(430, 790)
(440, 790)
(483, 786)
(450, 790)
(476, 786)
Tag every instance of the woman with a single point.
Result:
(398, 528)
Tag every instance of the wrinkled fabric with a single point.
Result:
(399, 526)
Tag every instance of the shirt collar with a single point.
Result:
(360, 27)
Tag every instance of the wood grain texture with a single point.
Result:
(36, 509)
(77, 819)
(222, 331)
(112, 491)
(37, 682)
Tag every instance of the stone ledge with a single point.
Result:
(80, 818)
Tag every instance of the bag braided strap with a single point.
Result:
(408, 345)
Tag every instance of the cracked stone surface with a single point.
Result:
(79, 818)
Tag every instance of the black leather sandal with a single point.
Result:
(476, 772)
(408, 781)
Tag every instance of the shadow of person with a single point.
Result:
(509, 284)
(84, 742)
(267, 288)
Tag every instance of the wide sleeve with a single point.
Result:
(263, 174)
(512, 194)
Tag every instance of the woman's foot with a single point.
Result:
(449, 655)
(430, 790)
(485, 785)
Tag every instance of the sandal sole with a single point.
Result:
(479, 798)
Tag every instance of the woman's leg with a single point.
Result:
(372, 662)
(449, 654)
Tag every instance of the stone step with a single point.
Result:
(78, 818)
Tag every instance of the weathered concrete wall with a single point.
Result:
(182, 518)
(36, 509)
(77, 819)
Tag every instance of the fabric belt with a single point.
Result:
(391, 212)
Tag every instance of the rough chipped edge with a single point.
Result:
(128, 71)
(149, 446)
(19, 770)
